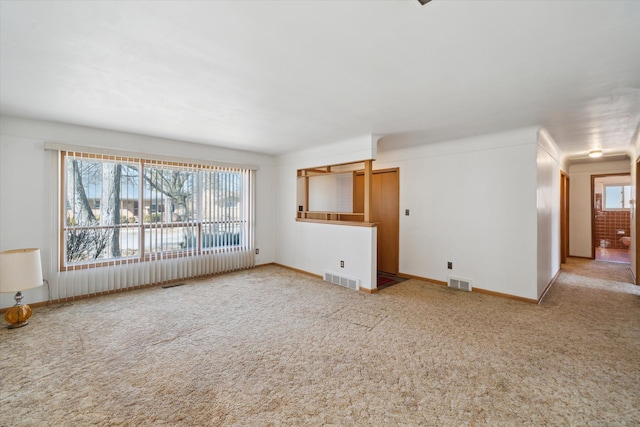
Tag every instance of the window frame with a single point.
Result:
(624, 201)
(144, 253)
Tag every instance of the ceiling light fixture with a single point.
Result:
(423, 2)
(595, 154)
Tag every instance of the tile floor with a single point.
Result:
(613, 255)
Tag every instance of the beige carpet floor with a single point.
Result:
(270, 346)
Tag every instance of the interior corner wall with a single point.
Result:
(548, 208)
(471, 202)
(29, 194)
(318, 247)
(580, 209)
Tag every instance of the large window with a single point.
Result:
(134, 209)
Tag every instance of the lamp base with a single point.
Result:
(18, 315)
(18, 325)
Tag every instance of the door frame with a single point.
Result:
(564, 216)
(637, 221)
(397, 230)
(593, 199)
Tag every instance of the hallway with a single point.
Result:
(597, 270)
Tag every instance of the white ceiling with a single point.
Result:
(273, 76)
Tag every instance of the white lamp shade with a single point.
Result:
(20, 269)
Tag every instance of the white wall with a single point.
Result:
(580, 209)
(472, 202)
(548, 203)
(28, 184)
(319, 248)
(331, 193)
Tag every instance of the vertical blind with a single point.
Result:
(127, 222)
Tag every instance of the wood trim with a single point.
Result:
(375, 171)
(568, 216)
(397, 230)
(310, 173)
(592, 218)
(424, 279)
(331, 216)
(636, 219)
(500, 294)
(296, 270)
(306, 273)
(306, 194)
(478, 290)
(564, 216)
(268, 264)
(548, 287)
(116, 291)
(354, 190)
(321, 171)
(579, 257)
(368, 188)
(336, 222)
(333, 165)
(397, 216)
(331, 213)
(347, 168)
(593, 222)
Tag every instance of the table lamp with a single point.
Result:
(20, 269)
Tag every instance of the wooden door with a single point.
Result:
(634, 217)
(385, 212)
(564, 217)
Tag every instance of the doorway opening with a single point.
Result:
(385, 211)
(611, 219)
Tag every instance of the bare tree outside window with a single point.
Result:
(125, 209)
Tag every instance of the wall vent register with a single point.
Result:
(341, 280)
(458, 283)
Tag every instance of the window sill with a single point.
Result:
(337, 222)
